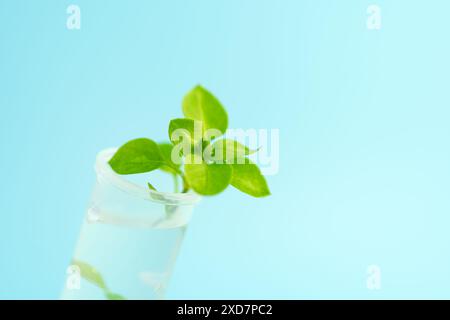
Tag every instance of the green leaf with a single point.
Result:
(137, 156)
(89, 273)
(248, 178)
(228, 151)
(186, 135)
(114, 296)
(199, 104)
(208, 179)
(185, 128)
(166, 152)
(151, 187)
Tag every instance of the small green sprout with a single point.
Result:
(196, 154)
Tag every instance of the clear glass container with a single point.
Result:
(129, 240)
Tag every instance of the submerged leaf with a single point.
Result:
(114, 296)
(89, 273)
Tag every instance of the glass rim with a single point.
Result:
(104, 171)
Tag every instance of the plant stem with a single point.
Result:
(176, 183)
(185, 183)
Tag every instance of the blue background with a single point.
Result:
(364, 123)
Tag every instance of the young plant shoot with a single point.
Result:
(197, 154)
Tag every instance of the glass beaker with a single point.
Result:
(129, 240)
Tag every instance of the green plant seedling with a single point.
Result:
(197, 154)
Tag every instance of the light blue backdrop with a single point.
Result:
(363, 116)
